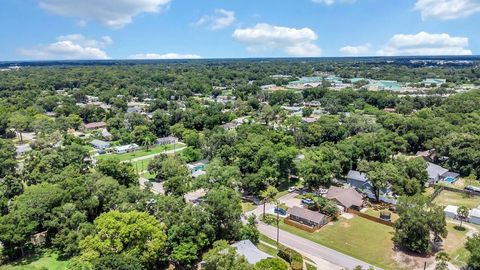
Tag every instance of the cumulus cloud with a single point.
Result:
(424, 43)
(111, 13)
(142, 56)
(331, 2)
(447, 9)
(265, 37)
(221, 19)
(355, 50)
(74, 46)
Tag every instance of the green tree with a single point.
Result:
(118, 262)
(8, 161)
(473, 246)
(462, 213)
(271, 264)
(268, 195)
(123, 172)
(442, 260)
(223, 204)
(224, 257)
(133, 233)
(418, 220)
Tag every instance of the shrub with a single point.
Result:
(269, 219)
(291, 256)
(271, 264)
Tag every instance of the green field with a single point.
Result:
(46, 261)
(152, 151)
(358, 237)
(248, 206)
(458, 199)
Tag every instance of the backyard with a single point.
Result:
(456, 198)
(357, 237)
(152, 151)
(45, 261)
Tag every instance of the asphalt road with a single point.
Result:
(324, 257)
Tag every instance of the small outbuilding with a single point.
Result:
(474, 216)
(100, 145)
(451, 211)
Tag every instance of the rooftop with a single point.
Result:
(306, 214)
(250, 251)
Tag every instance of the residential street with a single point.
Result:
(324, 257)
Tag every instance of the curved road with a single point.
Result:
(324, 257)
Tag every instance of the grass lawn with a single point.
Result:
(358, 237)
(454, 245)
(248, 206)
(153, 150)
(46, 261)
(454, 198)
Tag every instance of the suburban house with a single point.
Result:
(360, 182)
(438, 173)
(307, 217)
(167, 140)
(431, 82)
(95, 125)
(107, 135)
(250, 251)
(100, 145)
(348, 198)
(126, 148)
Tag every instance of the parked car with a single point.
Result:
(280, 211)
(473, 189)
(307, 201)
(291, 189)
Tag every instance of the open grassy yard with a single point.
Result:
(248, 206)
(454, 198)
(454, 245)
(152, 151)
(357, 237)
(46, 261)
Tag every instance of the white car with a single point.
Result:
(292, 189)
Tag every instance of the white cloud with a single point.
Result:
(111, 13)
(221, 19)
(331, 2)
(447, 9)
(74, 46)
(424, 43)
(265, 37)
(356, 50)
(164, 56)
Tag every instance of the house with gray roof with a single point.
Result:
(360, 182)
(346, 197)
(247, 249)
(100, 145)
(307, 217)
(438, 173)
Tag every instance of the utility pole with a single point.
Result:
(278, 223)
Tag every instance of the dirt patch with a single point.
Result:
(412, 261)
(345, 225)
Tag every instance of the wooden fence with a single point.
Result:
(300, 226)
(371, 218)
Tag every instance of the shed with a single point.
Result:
(307, 217)
(451, 211)
(126, 148)
(475, 216)
(167, 140)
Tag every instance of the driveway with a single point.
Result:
(156, 186)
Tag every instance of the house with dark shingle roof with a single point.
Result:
(346, 197)
(307, 217)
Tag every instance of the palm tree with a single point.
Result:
(462, 213)
(268, 195)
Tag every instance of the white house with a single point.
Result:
(125, 148)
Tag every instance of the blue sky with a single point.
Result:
(123, 29)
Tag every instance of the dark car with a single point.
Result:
(307, 201)
(280, 211)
